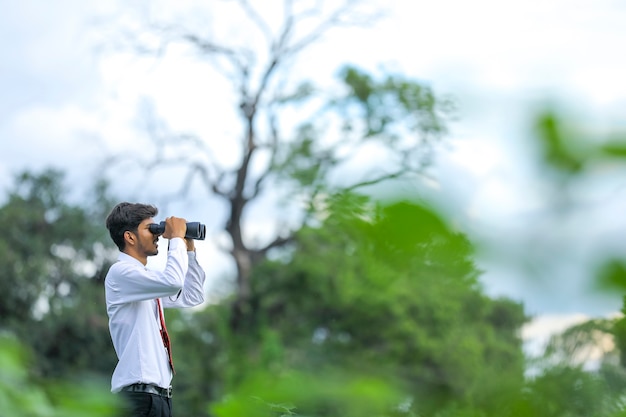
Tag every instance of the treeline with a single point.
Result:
(361, 307)
(377, 310)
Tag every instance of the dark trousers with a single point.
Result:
(143, 404)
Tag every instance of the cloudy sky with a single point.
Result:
(67, 101)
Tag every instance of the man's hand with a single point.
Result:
(175, 227)
(190, 245)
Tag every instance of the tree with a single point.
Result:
(378, 292)
(578, 374)
(52, 258)
(580, 344)
(292, 139)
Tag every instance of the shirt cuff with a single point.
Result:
(176, 242)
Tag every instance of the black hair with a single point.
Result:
(127, 217)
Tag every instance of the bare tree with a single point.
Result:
(276, 152)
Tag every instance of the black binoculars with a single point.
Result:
(195, 230)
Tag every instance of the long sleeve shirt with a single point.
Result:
(131, 291)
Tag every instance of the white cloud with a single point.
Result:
(62, 103)
(542, 327)
(537, 333)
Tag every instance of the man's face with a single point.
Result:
(147, 242)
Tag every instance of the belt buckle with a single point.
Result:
(169, 392)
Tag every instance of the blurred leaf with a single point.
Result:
(614, 149)
(21, 395)
(322, 393)
(557, 152)
(611, 275)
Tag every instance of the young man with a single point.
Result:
(135, 297)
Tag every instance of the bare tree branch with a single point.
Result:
(235, 57)
(262, 96)
(278, 242)
(342, 16)
(256, 18)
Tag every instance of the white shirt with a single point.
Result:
(131, 291)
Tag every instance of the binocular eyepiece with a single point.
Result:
(195, 230)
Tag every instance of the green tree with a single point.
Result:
(567, 391)
(578, 375)
(385, 292)
(619, 330)
(52, 258)
(23, 395)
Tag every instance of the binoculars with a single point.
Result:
(195, 230)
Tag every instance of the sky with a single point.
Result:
(66, 101)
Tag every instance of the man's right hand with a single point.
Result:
(175, 227)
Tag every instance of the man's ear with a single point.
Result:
(129, 238)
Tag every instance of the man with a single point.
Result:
(135, 297)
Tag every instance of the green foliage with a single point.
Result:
(575, 345)
(567, 150)
(394, 101)
(557, 152)
(201, 352)
(579, 158)
(44, 238)
(53, 254)
(22, 395)
(387, 292)
(611, 274)
(619, 330)
(564, 387)
(566, 391)
(377, 310)
(311, 394)
(401, 114)
(75, 339)
(302, 160)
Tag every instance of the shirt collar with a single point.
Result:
(124, 257)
